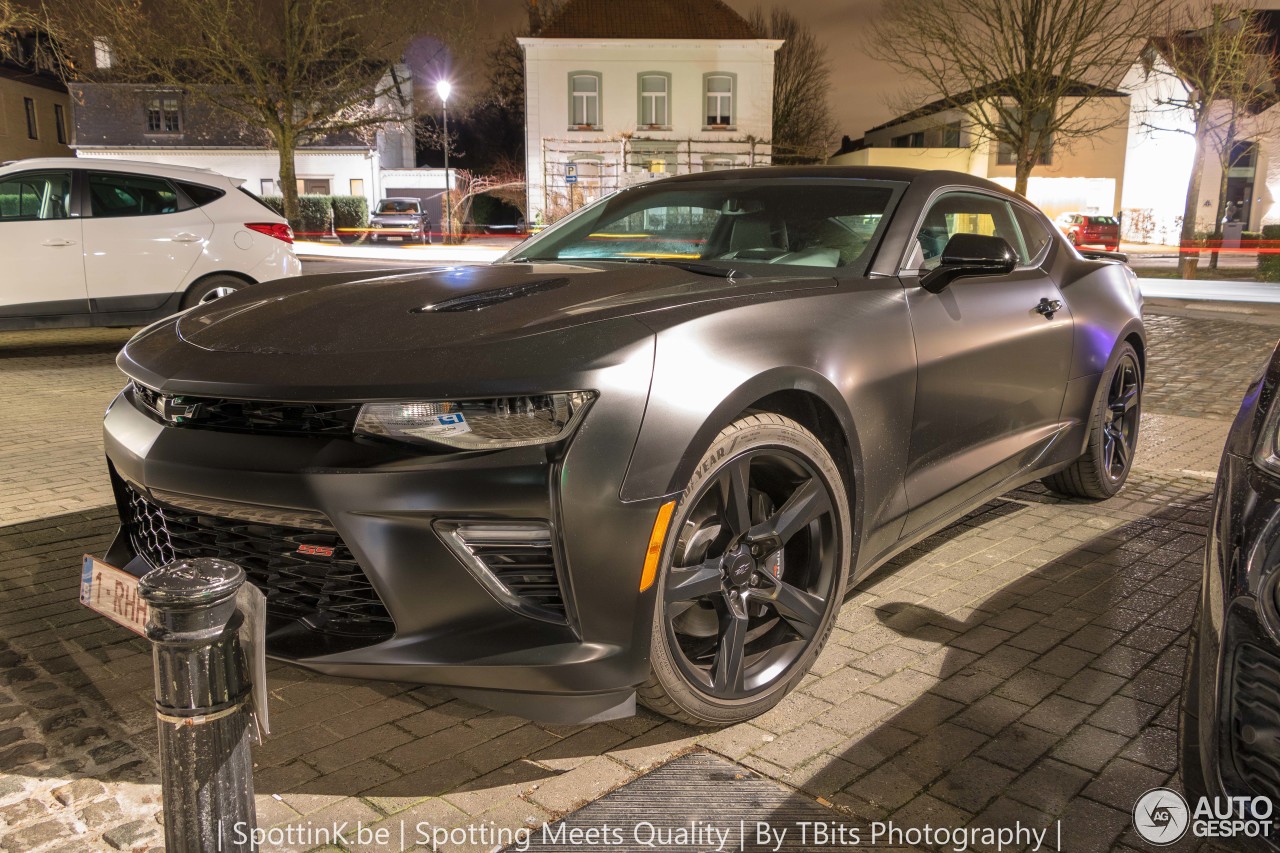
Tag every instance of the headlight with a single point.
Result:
(489, 424)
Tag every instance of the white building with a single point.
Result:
(1162, 150)
(623, 91)
(163, 125)
(1078, 175)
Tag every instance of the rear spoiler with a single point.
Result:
(1100, 255)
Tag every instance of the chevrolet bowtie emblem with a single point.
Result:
(173, 410)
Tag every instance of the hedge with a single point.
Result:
(1269, 263)
(319, 215)
(350, 211)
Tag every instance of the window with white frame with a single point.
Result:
(655, 93)
(164, 114)
(584, 99)
(719, 92)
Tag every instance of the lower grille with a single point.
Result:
(515, 560)
(1255, 719)
(307, 575)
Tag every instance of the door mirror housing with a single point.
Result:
(969, 255)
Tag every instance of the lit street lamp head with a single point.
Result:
(443, 88)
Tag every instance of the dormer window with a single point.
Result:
(655, 99)
(719, 97)
(584, 100)
(164, 113)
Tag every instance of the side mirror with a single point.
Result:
(967, 255)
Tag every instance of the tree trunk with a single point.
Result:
(1219, 215)
(1021, 172)
(288, 179)
(1188, 251)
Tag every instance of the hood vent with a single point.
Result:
(485, 298)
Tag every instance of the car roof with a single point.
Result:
(112, 164)
(926, 177)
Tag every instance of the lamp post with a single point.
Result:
(443, 88)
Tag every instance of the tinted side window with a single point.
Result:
(1035, 234)
(116, 194)
(964, 213)
(201, 195)
(44, 195)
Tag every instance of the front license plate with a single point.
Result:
(395, 237)
(113, 593)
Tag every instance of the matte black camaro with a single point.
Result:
(647, 452)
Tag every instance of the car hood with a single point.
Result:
(454, 307)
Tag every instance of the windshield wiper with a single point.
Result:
(691, 266)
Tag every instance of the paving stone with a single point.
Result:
(580, 785)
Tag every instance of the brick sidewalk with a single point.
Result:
(1022, 664)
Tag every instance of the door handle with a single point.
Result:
(1048, 307)
(58, 241)
(186, 237)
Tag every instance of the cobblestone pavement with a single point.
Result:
(1023, 664)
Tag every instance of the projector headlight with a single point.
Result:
(488, 424)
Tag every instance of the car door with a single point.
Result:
(41, 244)
(142, 236)
(993, 358)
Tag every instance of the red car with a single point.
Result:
(1088, 230)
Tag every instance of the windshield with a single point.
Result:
(745, 224)
(398, 206)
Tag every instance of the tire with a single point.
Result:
(1113, 433)
(211, 288)
(781, 603)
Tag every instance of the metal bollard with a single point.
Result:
(202, 705)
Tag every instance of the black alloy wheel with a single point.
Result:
(754, 579)
(1113, 433)
(1120, 429)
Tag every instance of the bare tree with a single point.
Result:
(297, 71)
(1026, 74)
(1219, 68)
(803, 129)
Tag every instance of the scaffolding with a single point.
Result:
(578, 171)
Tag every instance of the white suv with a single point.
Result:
(97, 242)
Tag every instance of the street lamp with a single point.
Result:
(443, 88)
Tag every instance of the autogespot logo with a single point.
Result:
(1161, 816)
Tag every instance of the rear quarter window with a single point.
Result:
(1035, 233)
(199, 194)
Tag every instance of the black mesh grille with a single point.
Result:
(325, 588)
(1255, 720)
(248, 415)
(529, 571)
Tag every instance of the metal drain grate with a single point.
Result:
(694, 795)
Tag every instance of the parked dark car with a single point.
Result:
(1088, 229)
(647, 452)
(399, 220)
(1230, 727)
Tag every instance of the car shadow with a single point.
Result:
(1039, 684)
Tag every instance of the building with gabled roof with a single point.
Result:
(618, 92)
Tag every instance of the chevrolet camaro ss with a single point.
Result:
(646, 453)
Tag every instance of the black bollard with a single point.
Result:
(202, 705)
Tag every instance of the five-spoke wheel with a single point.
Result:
(1113, 433)
(754, 576)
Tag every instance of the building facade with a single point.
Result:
(165, 125)
(1082, 175)
(620, 92)
(1162, 151)
(35, 108)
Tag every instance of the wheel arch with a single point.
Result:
(802, 395)
(190, 288)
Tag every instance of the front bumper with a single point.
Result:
(1231, 713)
(386, 504)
